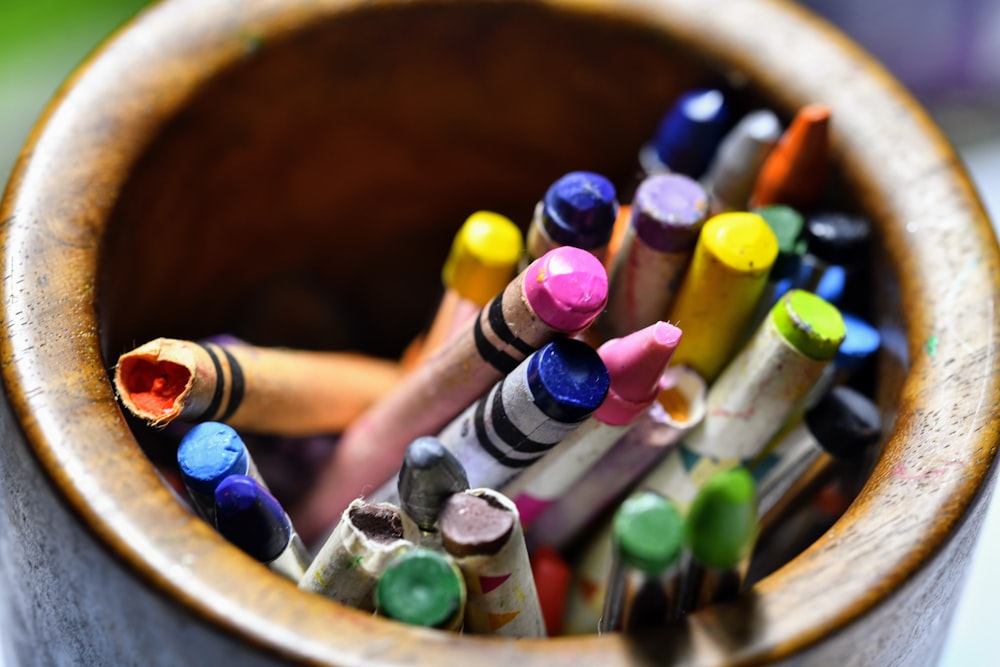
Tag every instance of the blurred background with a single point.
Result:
(946, 51)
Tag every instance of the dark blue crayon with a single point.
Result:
(578, 210)
(253, 520)
(688, 135)
(524, 415)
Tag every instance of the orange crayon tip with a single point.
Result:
(794, 173)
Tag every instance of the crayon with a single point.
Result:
(688, 135)
(481, 529)
(547, 397)
(552, 576)
(635, 364)
(719, 293)
(429, 475)
(795, 171)
(679, 407)
(483, 259)
(757, 393)
(731, 175)
(720, 531)
(843, 424)
(787, 225)
(349, 563)
(250, 517)
(834, 239)
(207, 454)
(642, 585)
(257, 389)
(667, 215)
(578, 210)
(560, 293)
(422, 587)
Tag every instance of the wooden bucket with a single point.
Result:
(210, 150)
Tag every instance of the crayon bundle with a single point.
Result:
(616, 417)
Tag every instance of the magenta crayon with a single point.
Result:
(679, 407)
(635, 364)
(560, 293)
(667, 214)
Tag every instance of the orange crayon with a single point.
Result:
(794, 173)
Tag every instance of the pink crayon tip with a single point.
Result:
(566, 288)
(635, 363)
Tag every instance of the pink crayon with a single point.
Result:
(635, 363)
(562, 292)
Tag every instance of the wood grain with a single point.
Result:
(211, 150)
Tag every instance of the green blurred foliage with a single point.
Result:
(41, 42)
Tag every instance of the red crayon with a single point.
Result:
(552, 578)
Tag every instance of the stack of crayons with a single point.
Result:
(609, 421)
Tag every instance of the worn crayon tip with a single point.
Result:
(567, 288)
(689, 133)
(472, 524)
(635, 365)
(250, 517)
(567, 379)
(668, 211)
(579, 210)
(210, 452)
(861, 341)
(810, 324)
(483, 256)
(429, 475)
(721, 524)
(844, 422)
(794, 173)
(648, 531)
(420, 587)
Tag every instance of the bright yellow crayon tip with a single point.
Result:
(741, 241)
(483, 257)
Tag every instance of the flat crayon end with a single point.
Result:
(567, 288)
(743, 242)
(472, 525)
(721, 524)
(810, 324)
(579, 210)
(420, 587)
(208, 453)
(567, 379)
(635, 365)
(648, 531)
(483, 257)
(668, 211)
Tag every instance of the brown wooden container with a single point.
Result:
(210, 151)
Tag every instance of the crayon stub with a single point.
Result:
(473, 525)
(721, 524)
(648, 531)
(421, 587)
(810, 324)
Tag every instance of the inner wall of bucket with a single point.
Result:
(307, 196)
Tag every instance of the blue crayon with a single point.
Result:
(688, 135)
(209, 453)
(253, 520)
(524, 415)
(578, 210)
(860, 344)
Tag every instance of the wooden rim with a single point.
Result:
(904, 175)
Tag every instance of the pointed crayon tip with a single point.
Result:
(635, 363)
(794, 173)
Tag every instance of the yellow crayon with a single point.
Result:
(717, 299)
